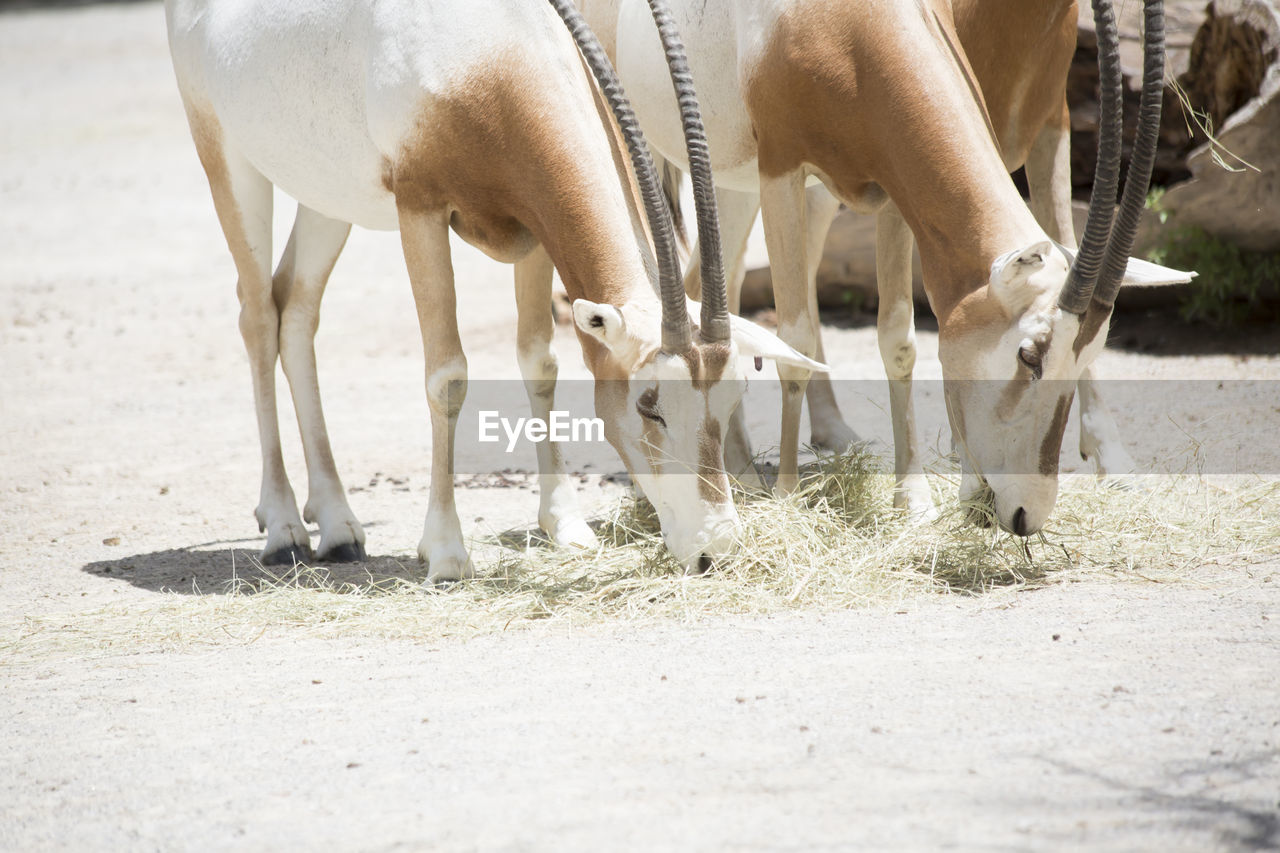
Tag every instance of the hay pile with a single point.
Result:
(836, 544)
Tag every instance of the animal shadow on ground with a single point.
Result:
(1237, 826)
(206, 569)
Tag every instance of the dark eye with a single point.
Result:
(1030, 357)
(647, 406)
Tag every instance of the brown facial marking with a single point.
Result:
(1011, 396)
(652, 437)
(707, 363)
(1051, 447)
(715, 358)
(1041, 348)
(1095, 317)
(1013, 392)
(712, 483)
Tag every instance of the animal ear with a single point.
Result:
(1010, 272)
(602, 322)
(1140, 273)
(758, 342)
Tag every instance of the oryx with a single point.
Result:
(1020, 52)
(878, 101)
(422, 115)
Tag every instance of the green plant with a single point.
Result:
(1232, 283)
(1155, 203)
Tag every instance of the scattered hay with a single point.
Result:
(836, 544)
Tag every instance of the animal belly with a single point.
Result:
(345, 188)
(322, 158)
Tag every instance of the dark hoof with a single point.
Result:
(287, 556)
(348, 552)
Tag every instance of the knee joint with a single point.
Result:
(899, 359)
(447, 389)
(539, 365)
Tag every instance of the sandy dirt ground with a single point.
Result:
(1099, 716)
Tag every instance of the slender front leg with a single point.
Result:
(242, 198)
(1048, 170)
(737, 214)
(425, 237)
(558, 513)
(782, 203)
(314, 246)
(896, 335)
(1100, 437)
(827, 427)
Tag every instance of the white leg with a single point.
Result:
(1100, 437)
(782, 202)
(242, 197)
(737, 212)
(314, 246)
(558, 513)
(1048, 170)
(896, 335)
(425, 237)
(1049, 179)
(828, 429)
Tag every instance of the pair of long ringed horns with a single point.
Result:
(677, 336)
(1104, 251)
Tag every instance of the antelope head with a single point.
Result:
(666, 387)
(1012, 366)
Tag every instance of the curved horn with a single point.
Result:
(1141, 163)
(676, 334)
(1083, 276)
(715, 302)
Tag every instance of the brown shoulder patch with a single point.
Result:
(502, 151)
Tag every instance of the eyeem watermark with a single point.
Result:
(561, 427)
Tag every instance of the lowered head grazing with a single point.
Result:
(1012, 363)
(666, 388)
(665, 412)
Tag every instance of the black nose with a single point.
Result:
(704, 564)
(1020, 522)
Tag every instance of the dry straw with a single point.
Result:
(834, 545)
